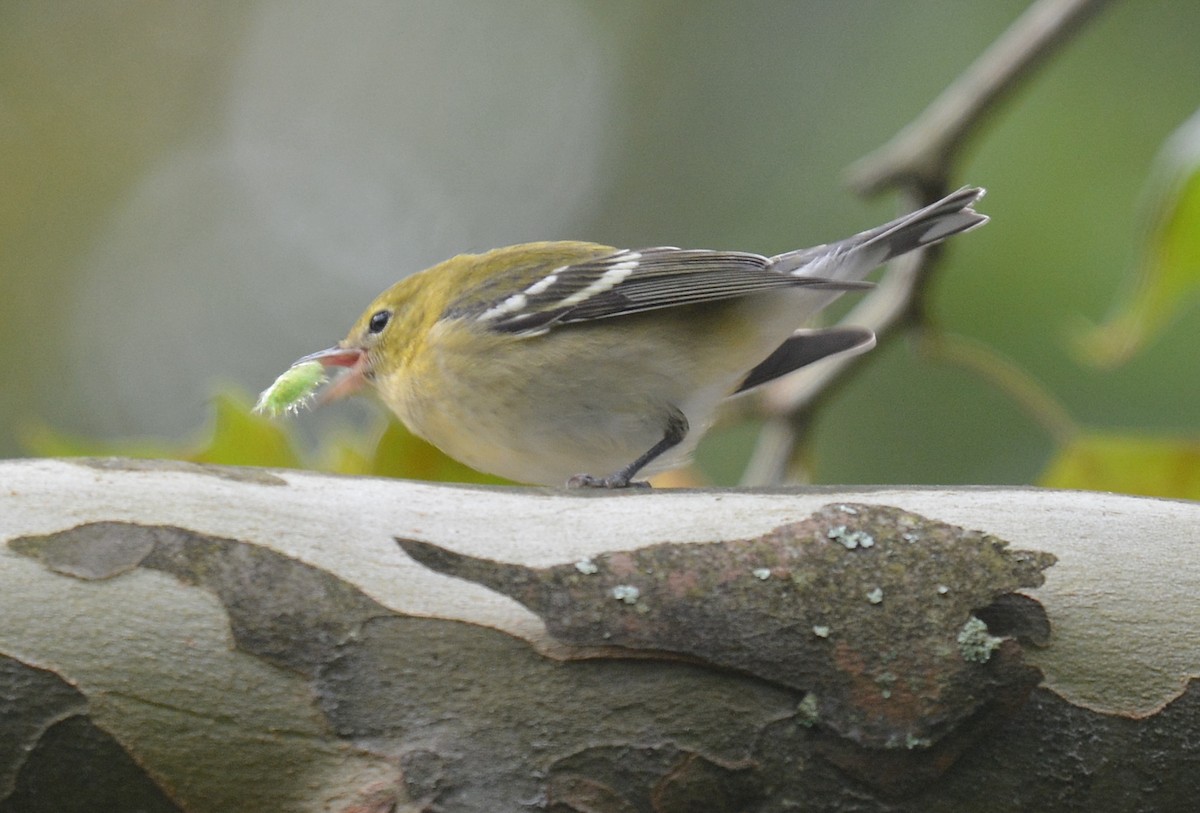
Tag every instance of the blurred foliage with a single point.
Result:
(1167, 277)
(198, 193)
(240, 437)
(1167, 280)
(1130, 464)
(1143, 464)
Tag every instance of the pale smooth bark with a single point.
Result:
(223, 646)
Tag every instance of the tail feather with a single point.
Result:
(854, 257)
(804, 348)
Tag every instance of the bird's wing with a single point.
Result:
(625, 282)
(805, 347)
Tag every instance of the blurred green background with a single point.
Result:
(192, 195)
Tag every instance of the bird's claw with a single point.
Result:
(612, 481)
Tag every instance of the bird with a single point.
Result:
(584, 365)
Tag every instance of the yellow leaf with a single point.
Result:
(1130, 464)
(40, 440)
(237, 438)
(1167, 277)
(242, 438)
(399, 453)
(344, 455)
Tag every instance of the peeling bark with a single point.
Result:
(866, 611)
(217, 639)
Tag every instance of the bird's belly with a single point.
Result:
(578, 415)
(553, 436)
(579, 400)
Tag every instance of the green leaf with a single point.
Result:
(237, 438)
(1167, 277)
(1130, 464)
(243, 438)
(240, 437)
(343, 455)
(400, 453)
(40, 440)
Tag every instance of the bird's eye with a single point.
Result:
(379, 321)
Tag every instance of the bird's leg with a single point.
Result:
(677, 429)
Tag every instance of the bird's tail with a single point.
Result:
(853, 258)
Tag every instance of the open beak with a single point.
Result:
(354, 359)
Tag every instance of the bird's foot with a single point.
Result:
(612, 481)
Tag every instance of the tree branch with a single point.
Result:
(920, 157)
(918, 161)
(178, 637)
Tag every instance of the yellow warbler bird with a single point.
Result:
(585, 364)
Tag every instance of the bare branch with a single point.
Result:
(920, 156)
(919, 160)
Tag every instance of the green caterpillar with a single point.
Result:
(292, 390)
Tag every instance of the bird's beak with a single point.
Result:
(354, 359)
(336, 356)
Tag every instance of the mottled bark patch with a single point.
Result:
(867, 609)
(97, 550)
(279, 609)
(53, 759)
(663, 778)
(480, 722)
